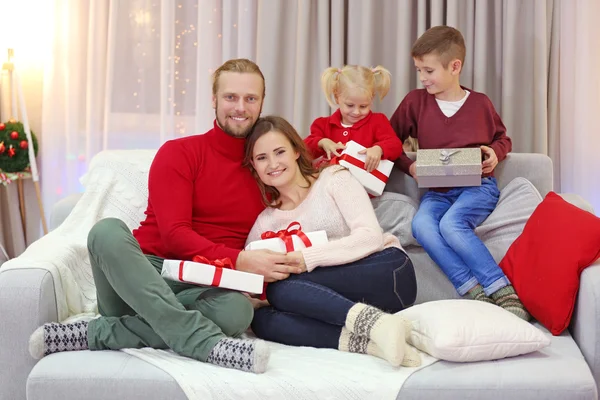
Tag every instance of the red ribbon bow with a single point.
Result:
(360, 164)
(293, 228)
(219, 264)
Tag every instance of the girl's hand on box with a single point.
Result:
(373, 157)
(330, 147)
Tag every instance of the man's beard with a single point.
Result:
(227, 128)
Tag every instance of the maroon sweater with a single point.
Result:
(476, 123)
(202, 201)
(372, 130)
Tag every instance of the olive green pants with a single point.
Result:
(139, 308)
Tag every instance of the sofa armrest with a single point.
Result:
(27, 300)
(578, 201)
(585, 323)
(536, 168)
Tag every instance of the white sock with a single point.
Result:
(386, 330)
(353, 343)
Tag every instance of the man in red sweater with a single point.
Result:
(201, 201)
(447, 115)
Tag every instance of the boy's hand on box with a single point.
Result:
(330, 147)
(373, 157)
(412, 170)
(297, 260)
(489, 160)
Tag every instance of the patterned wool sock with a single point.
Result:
(54, 337)
(243, 354)
(477, 293)
(388, 331)
(353, 343)
(507, 298)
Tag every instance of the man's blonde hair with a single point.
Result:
(240, 65)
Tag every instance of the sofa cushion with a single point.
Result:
(545, 262)
(516, 204)
(395, 213)
(467, 331)
(99, 375)
(557, 372)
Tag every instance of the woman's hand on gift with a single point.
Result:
(490, 160)
(298, 260)
(373, 157)
(330, 147)
(270, 264)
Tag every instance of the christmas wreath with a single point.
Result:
(14, 153)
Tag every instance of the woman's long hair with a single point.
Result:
(305, 161)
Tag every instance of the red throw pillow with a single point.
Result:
(544, 263)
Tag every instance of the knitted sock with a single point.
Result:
(386, 330)
(477, 293)
(353, 343)
(243, 354)
(54, 337)
(507, 298)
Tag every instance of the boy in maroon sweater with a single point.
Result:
(447, 115)
(202, 201)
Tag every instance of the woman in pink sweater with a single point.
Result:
(351, 284)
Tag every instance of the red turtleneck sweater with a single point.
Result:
(201, 201)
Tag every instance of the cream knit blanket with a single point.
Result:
(116, 186)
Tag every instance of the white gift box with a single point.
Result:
(449, 167)
(209, 275)
(375, 181)
(277, 244)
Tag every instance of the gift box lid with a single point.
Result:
(457, 161)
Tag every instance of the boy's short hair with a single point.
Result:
(444, 41)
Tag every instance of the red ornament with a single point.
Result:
(14, 135)
(23, 144)
(11, 151)
(2, 147)
(2, 126)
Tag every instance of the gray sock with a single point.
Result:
(54, 337)
(477, 293)
(243, 354)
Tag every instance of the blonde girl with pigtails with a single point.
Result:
(351, 90)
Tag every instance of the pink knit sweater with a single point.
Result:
(338, 204)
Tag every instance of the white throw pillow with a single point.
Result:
(470, 330)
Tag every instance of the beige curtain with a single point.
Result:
(134, 74)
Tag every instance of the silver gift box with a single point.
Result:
(449, 167)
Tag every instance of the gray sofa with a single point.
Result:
(568, 369)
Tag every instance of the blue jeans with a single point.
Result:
(444, 225)
(310, 309)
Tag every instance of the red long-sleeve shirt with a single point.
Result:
(374, 129)
(202, 201)
(475, 124)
